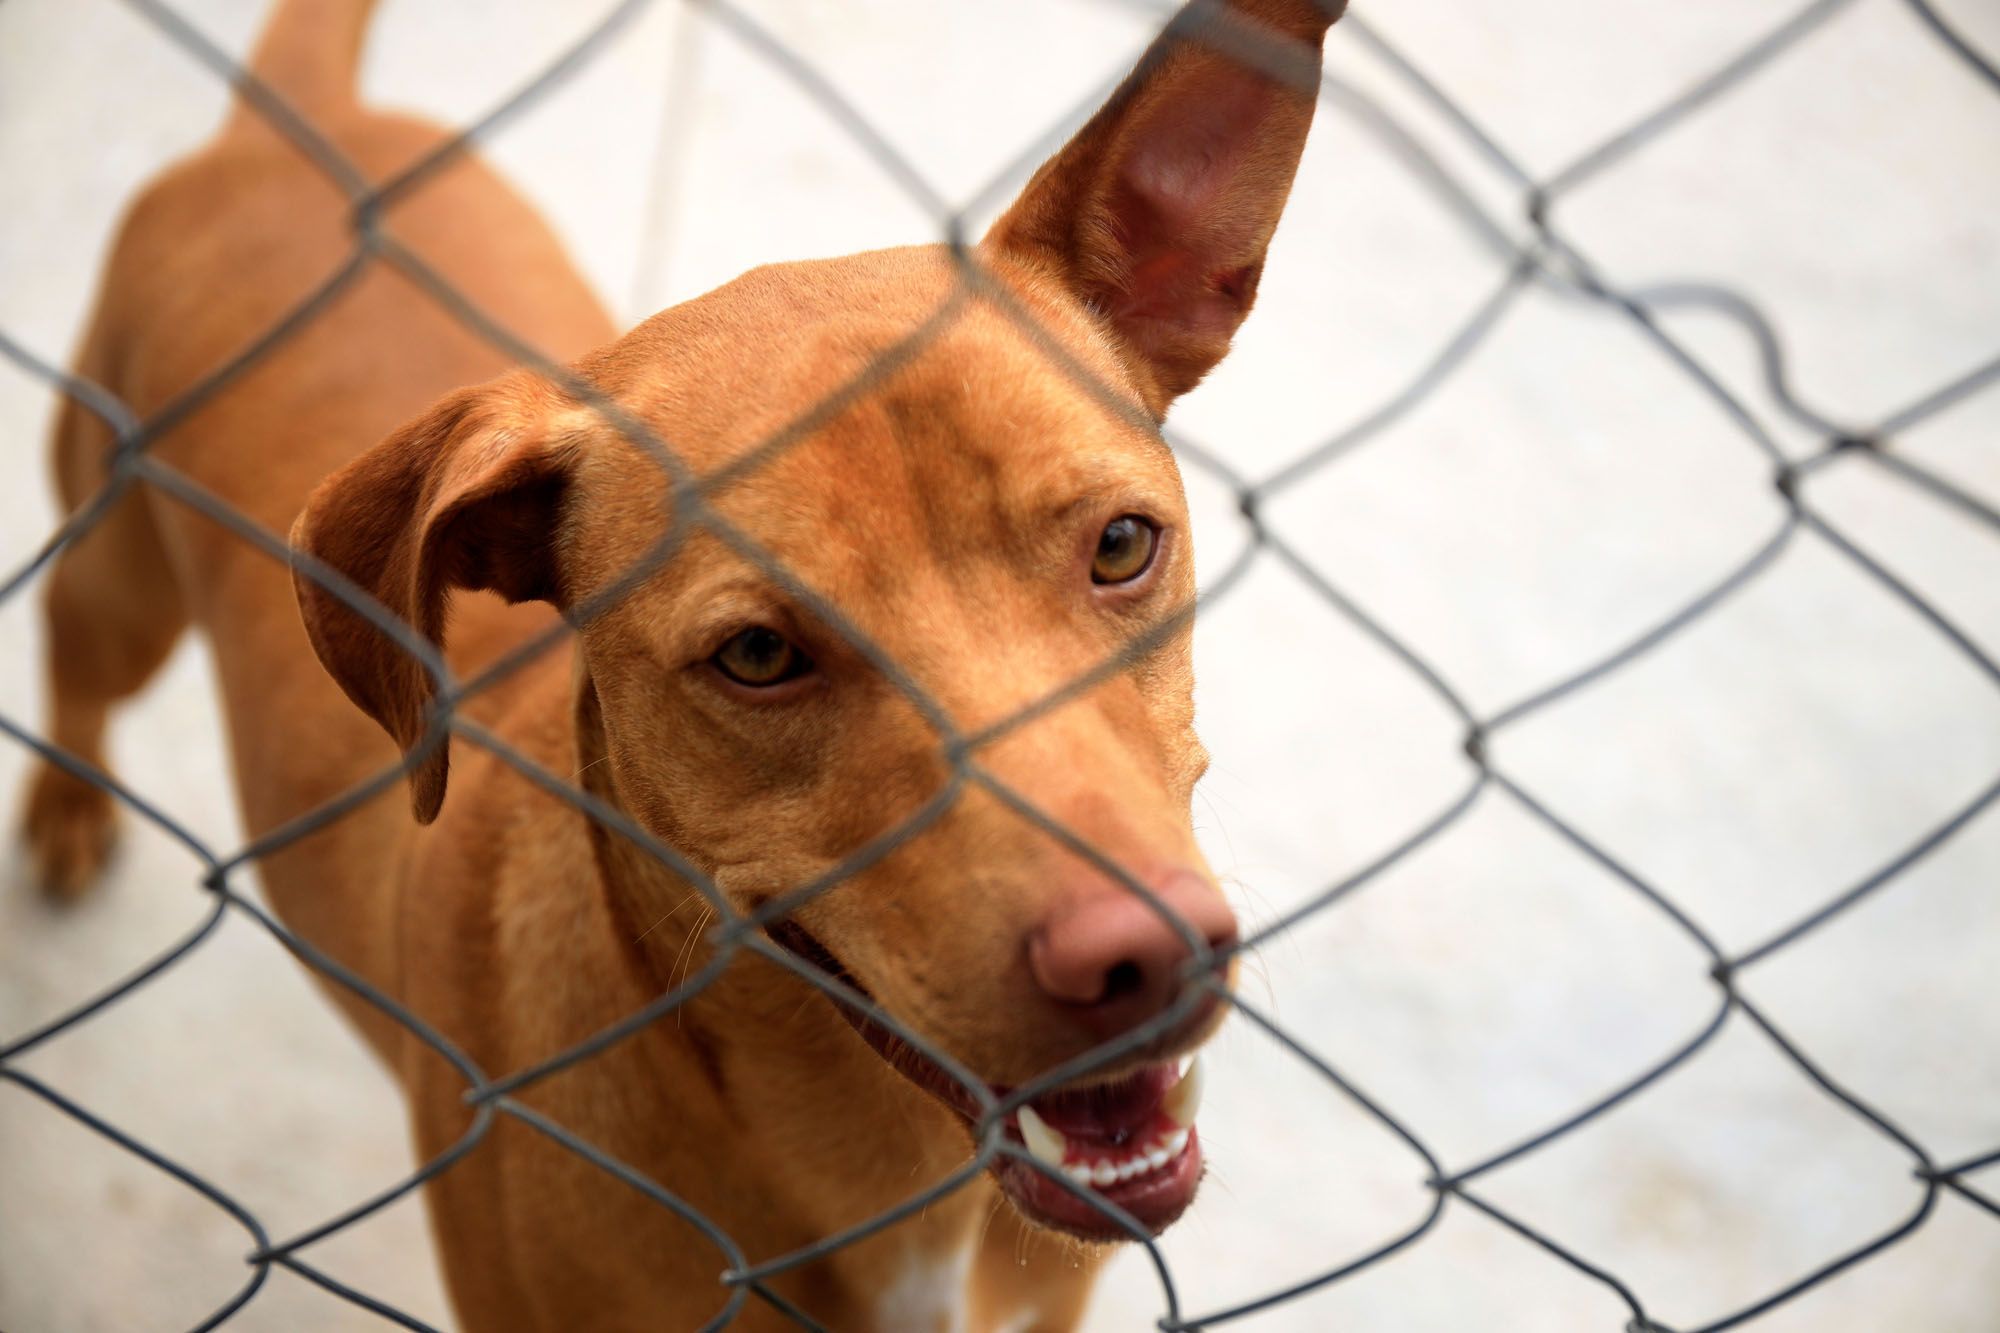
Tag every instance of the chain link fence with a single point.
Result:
(1550, 262)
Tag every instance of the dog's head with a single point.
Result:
(928, 569)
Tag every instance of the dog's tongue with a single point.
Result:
(1126, 1123)
(1111, 1114)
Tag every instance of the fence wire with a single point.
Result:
(1548, 260)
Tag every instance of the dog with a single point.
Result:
(982, 633)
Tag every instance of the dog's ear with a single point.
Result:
(466, 496)
(1158, 213)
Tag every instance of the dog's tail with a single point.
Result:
(310, 55)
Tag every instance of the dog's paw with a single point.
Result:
(69, 828)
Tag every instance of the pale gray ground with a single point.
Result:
(1565, 491)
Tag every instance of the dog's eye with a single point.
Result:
(760, 657)
(1124, 550)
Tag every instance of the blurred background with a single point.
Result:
(1567, 487)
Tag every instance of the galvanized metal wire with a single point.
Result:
(1548, 260)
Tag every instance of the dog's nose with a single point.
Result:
(1114, 961)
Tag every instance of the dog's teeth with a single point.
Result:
(1044, 1140)
(1049, 1145)
(1183, 1100)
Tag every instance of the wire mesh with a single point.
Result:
(1550, 261)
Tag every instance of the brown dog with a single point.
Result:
(995, 514)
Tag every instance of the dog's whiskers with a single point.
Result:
(686, 953)
(671, 913)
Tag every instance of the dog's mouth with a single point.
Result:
(1129, 1140)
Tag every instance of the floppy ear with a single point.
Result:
(466, 496)
(1158, 213)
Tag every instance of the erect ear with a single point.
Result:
(1158, 213)
(466, 496)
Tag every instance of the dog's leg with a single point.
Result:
(113, 614)
(1027, 1280)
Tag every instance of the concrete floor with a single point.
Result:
(1564, 491)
